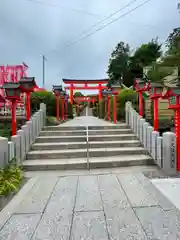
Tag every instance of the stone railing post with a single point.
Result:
(145, 126)
(154, 145)
(11, 152)
(150, 129)
(169, 153)
(3, 152)
(25, 128)
(16, 140)
(141, 123)
(160, 151)
(21, 133)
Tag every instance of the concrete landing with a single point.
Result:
(99, 207)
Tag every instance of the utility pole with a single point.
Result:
(43, 73)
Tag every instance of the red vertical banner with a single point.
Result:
(66, 109)
(62, 107)
(109, 108)
(13, 112)
(100, 92)
(71, 93)
(141, 104)
(115, 109)
(28, 106)
(57, 108)
(155, 102)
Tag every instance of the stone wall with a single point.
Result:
(162, 149)
(20, 144)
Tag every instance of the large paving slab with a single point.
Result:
(169, 187)
(20, 227)
(119, 205)
(88, 195)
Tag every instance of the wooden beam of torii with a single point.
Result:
(72, 86)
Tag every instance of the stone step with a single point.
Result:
(71, 164)
(64, 133)
(112, 137)
(118, 126)
(84, 145)
(55, 139)
(59, 154)
(110, 131)
(115, 151)
(64, 128)
(84, 132)
(81, 153)
(91, 138)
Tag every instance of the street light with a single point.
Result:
(155, 91)
(141, 85)
(12, 93)
(173, 96)
(57, 89)
(27, 85)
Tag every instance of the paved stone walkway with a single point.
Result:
(98, 207)
(106, 205)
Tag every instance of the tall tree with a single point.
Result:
(146, 54)
(118, 63)
(122, 64)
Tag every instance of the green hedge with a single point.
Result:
(124, 96)
(50, 100)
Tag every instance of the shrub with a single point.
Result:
(10, 179)
(101, 109)
(124, 96)
(50, 100)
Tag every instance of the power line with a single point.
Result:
(101, 21)
(114, 20)
(65, 8)
(123, 15)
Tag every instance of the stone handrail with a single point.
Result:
(162, 149)
(20, 144)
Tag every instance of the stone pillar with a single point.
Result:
(3, 152)
(150, 129)
(145, 126)
(154, 147)
(16, 140)
(160, 152)
(169, 153)
(138, 125)
(21, 133)
(29, 124)
(25, 128)
(141, 123)
(127, 112)
(11, 152)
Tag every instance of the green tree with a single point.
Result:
(118, 63)
(78, 94)
(123, 65)
(146, 54)
(157, 73)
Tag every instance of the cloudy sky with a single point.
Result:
(55, 28)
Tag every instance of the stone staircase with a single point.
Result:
(63, 147)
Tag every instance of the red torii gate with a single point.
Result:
(72, 86)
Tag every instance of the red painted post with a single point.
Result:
(62, 108)
(141, 104)
(155, 102)
(28, 106)
(114, 110)
(109, 108)
(13, 112)
(66, 109)
(100, 92)
(71, 93)
(57, 108)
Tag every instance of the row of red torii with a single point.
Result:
(101, 86)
